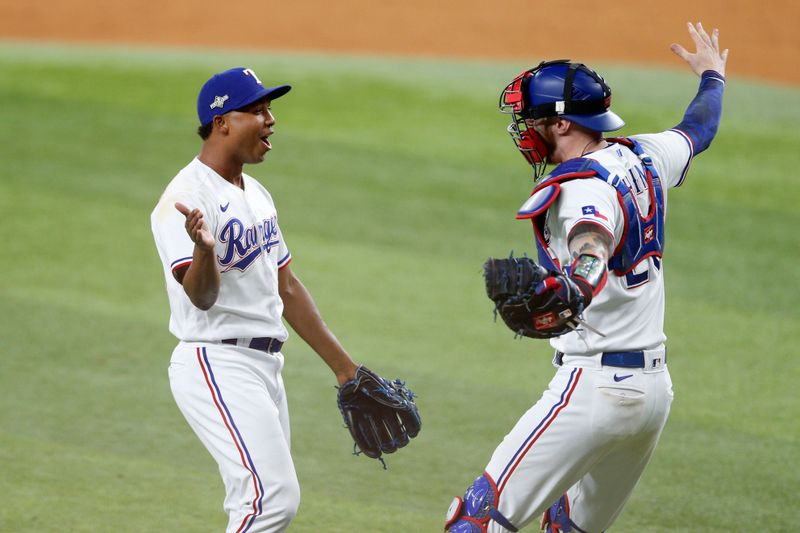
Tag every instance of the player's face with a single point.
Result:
(250, 128)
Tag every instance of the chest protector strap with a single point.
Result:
(643, 235)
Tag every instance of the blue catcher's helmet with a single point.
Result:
(572, 91)
(557, 88)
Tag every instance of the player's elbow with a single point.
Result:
(203, 306)
(203, 301)
(202, 288)
(288, 284)
(701, 137)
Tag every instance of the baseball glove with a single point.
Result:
(380, 414)
(531, 300)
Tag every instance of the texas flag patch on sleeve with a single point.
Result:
(590, 210)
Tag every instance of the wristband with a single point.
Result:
(590, 274)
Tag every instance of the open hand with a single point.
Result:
(707, 56)
(196, 227)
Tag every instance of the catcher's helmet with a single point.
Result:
(557, 88)
(572, 91)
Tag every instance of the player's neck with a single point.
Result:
(579, 145)
(230, 170)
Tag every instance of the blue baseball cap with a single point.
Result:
(231, 90)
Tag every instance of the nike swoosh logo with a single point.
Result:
(620, 378)
(224, 208)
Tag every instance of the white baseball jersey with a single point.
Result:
(630, 309)
(250, 250)
(591, 434)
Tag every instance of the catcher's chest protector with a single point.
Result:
(643, 235)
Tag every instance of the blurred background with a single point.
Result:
(394, 179)
(764, 42)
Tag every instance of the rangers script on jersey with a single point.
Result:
(250, 250)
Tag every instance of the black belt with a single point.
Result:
(619, 359)
(264, 344)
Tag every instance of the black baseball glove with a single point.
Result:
(531, 300)
(380, 414)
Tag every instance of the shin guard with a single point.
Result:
(479, 505)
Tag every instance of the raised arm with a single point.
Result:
(701, 120)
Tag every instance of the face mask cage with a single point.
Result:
(528, 142)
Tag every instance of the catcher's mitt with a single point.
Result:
(380, 414)
(531, 300)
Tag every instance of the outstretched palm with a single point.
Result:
(196, 227)
(708, 55)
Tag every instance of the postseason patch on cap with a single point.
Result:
(219, 101)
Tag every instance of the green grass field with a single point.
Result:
(394, 180)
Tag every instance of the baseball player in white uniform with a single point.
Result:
(226, 265)
(598, 220)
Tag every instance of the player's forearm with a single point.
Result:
(586, 238)
(302, 314)
(202, 279)
(702, 117)
(590, 248)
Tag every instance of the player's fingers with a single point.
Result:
(196, 214)
(715, 39)
(191, 217)
(198, 224)
(194, 223)
(693, 32)
(701, 31)
(680, 51)
(182, 208)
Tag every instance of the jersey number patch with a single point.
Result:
(633, 280)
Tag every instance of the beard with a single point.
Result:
(548, 141)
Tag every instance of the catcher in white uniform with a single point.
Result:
(597, 292)
(228, 279)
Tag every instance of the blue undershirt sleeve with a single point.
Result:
(702, 116)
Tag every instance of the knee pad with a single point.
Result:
(479, 505)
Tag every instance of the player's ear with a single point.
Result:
(563, 125)
(221, 124)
